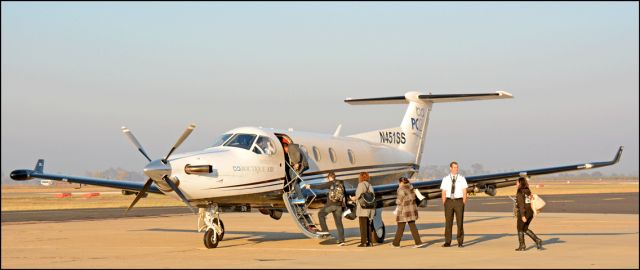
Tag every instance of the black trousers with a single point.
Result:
(365, 233)
(451, 207)
(524, 226)
(400, 231)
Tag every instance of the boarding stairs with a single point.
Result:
(299, 212)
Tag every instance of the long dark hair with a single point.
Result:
(523, 185)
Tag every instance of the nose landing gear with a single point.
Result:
(210, 222)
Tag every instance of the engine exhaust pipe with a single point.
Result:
(198, 169)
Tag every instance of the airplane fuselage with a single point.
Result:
(246, 176)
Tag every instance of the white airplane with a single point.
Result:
(246, 167)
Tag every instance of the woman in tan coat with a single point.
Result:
(364, 215)
(406, 212)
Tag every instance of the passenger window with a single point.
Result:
(316, 154)
(265, 145)
(332, 155)
(352, 158)
(243, 141)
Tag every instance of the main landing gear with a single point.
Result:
(210, 222)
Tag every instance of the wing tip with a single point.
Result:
(618, 155)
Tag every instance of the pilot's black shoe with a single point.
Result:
(446, 245)
(521, 241)
(460, 245)
(535, 239)
(362, 245)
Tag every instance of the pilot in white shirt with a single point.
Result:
(461, 186)
(454, 197)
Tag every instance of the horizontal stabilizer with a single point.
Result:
(430, 98)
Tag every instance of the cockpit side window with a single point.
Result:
(220, 140)
(266, 146)
(243, 141)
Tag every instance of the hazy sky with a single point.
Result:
(74, 73)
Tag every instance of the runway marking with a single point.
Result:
(498, 203)
(302, 249)
(612, 199)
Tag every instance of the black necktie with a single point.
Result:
(453, 186)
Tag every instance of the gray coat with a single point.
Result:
(297, 157)
(361, 212)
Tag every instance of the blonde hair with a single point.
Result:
(364, 176)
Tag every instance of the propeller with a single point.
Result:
(185, 134)
(158, 171)
(135, 142)
(140, 194)
(179, 192)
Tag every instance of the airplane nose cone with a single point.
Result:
(156, 170)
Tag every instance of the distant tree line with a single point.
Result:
(439, 171)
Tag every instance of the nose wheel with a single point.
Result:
(213, 225)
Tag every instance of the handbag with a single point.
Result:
(367, 199)
(537, 204)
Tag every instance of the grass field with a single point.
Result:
(16, 198)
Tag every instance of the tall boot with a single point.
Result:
(535, 239)
(521, 241)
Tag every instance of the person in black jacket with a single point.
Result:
(525, 214)
(335, 203)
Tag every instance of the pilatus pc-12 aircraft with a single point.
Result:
(246, 167)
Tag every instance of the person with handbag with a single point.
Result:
(364, 211)
(406, 212)
(334, 205)
(525, 214)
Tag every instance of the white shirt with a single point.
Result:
(461, 186)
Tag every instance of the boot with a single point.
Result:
(535, 239)
(521, 241)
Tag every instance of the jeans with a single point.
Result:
(337, 216)
(296, 180)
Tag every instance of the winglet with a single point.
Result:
(618, 155)
(39, 166)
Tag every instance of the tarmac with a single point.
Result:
(253, 240)
(609, 203)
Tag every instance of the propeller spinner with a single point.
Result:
(159, 170)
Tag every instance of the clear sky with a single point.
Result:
(74, 73)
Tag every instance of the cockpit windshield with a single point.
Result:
(220, 140)
(243, 141)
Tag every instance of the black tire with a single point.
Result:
(378, 238)
(209, 242)
(208, 236)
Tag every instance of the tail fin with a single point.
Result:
(411, 134)
(39, 166)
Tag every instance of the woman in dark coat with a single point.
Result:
(525, 213)
(406, 212)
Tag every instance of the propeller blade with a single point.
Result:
(185, 134)
(179, 192)
(135, 142)
(140, 195)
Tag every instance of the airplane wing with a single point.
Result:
(38, 172)
(386, 194)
